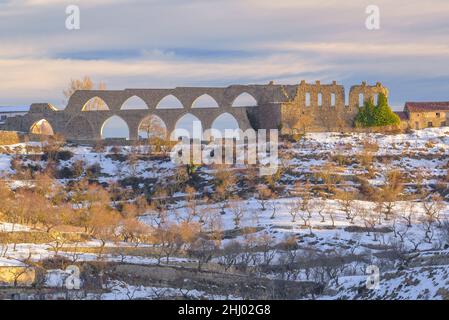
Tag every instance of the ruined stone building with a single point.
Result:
(322, 107)
(305, 106)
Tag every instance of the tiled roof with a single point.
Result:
(426, 106)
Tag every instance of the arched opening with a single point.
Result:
(223, 122)
(134, 103)
(307, 99)
(361, 99)
(244, 100)
(190, 126)
(332, 99)
(95, 104)
(169, 102)
(205, 101)
(115, 128)
(152, 127)
(42, 127)
(320, 99)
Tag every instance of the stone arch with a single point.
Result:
(225, 121)
(169, 102)
(134, 103)
(244, 100)
(95, 104)
(115, 127)
(79, 128)
(188, 123)
(42, 127)
(205, 101)
(152, 126)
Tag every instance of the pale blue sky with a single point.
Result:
(167, 43)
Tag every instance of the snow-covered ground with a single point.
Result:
(423, 152)
(9, 227)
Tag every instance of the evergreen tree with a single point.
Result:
(371, 115)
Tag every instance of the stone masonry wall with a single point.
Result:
(322, 107)
(277, 107)
(434, 118)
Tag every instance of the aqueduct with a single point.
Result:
(252, 106)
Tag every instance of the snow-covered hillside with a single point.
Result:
(328, 239)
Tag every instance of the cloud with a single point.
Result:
(34, 3)
(143, 43)
(46, 78)
(362, 48)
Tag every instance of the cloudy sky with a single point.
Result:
(167, 43)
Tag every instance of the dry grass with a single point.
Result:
(9, 137)
(37, 237)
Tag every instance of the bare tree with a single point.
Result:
(27, 266)
(229, 254)
(266, 245)
(203, 250)
(329, 211)
(263, 196)
(133, 159)
(237, 210)
(433, 205)
(58, 241)
(168, 240)
(345, 201)
(319, 205)
(427, 225)
(103, 225)
(133, 230)
(327, 174)
(391, 191)
(224, 180)
(7, 205)
(294, 208)
(400, 229)
(85, 84)
(305, 197)
(159, 203)
(155, 132)
(408, 212)
(306, 217)
(369, 219)
(192, 203)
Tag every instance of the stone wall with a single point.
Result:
(322, 107)
(421, 120)
(276, 106)
(249, 287)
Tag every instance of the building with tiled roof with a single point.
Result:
(426, 114)
(426, 106)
